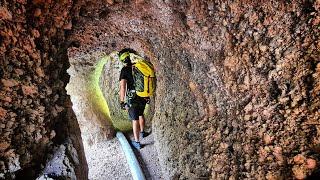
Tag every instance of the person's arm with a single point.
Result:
(123, 84)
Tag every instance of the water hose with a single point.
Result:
(134, 166)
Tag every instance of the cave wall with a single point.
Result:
(245, 100)
(238, 82)
(110, 88)
(37, 123)
(88, 102)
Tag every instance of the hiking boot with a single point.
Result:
(136, 144)
(144, 134)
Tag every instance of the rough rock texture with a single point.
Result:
(109, 84)
(106, 160)
(93, 118)
(238, 82)
(59, 164)
(35, 112)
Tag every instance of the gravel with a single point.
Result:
(148, 158)
(106, 160)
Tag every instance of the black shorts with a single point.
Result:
(137, 107)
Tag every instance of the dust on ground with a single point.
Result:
(106, 160)
(148, 157)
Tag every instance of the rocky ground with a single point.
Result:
(148, 158)
(106, 160)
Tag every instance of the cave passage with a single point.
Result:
(94, 92)
(89, 104)
(98, 100)
(238, 91)
(94, 118)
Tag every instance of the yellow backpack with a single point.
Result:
(143, 75)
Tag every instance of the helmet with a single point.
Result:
(123, 56)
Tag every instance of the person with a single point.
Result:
(129, 101)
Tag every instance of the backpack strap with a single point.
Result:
(148, 84)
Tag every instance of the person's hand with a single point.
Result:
(123, 105)
(148, 100)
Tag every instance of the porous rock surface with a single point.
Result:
(36, 119)
(238, 82)
(109, 84)
(106, 160)
(94, 124)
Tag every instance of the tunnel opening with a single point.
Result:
(94, 92)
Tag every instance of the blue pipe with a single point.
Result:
(134, 166)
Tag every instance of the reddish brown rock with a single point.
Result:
(35, 33)
(3, 113)
(40, 72)
(7, 99)
(37, 12)
(4, 146)
(253, 67)
(5, 14)
(29, 90)
(27, 52)
(267, 139)
(110, 2)
(19, 71)
(22, 1)
(299, 159)
(299, 172)
(311, 163)
(9, 82)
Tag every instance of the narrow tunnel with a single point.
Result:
(94, 92)
(237, 86)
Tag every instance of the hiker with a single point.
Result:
(134, 95)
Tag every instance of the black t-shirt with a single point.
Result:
(126, 73)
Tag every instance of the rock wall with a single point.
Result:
(238, 82)
(36, 119)
(252, 71)
(245, 100)
(87, 99)
(109, 84)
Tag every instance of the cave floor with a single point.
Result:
(148, 157)
(106, 160)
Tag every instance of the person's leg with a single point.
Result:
(133, 115)
(141, 107)
(136, 129)
(141, 123)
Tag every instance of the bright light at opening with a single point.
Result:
(98, 99)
